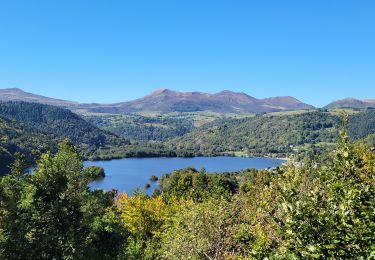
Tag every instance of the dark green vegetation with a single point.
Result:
(189, 183)
(57, 122)
(16, 140)
(303, 210)
(30, 129)
(137, 128)
(272, 135)
(51, 214)
(362, 124)
(94, 172)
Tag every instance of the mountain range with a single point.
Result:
(168, 101)
(16, 94)
(352, 103)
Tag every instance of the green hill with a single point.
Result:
(352, 103)
(140, 128)
(31, 128)
(277, 135)
(59, 122)
(16, 138)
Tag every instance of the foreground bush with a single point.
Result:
(52, 214)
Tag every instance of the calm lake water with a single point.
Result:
(128, 174)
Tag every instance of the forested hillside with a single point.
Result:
(272, 134)
(59, 122)
(260, 135)
(140, 128)
(275, 134)
(31, 128)
(16, 138)
(362, 124)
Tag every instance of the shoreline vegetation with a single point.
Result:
(281, 136)
(32, 129)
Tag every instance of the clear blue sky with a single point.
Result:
(106, 51)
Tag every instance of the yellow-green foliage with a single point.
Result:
(201, 230)
(145, 219)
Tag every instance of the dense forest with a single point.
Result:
(18, 140)
(273, 135)
(303, 210)
(31, 129)
(57, 122)
(138, 128)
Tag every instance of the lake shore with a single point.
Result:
(128, 174)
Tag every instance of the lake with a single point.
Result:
(128, 174)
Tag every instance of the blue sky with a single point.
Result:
(107, 51)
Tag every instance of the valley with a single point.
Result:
(151, 177)
(33, 128)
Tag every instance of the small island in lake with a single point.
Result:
(94, 172)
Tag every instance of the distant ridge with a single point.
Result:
(16, 94)
(168, 101)
(282, 101)
(352, 103)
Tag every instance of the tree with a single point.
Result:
(145, 219)
(94, 172)
(52, 214)
(331, 214)
(16, 198)
(202, 231)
